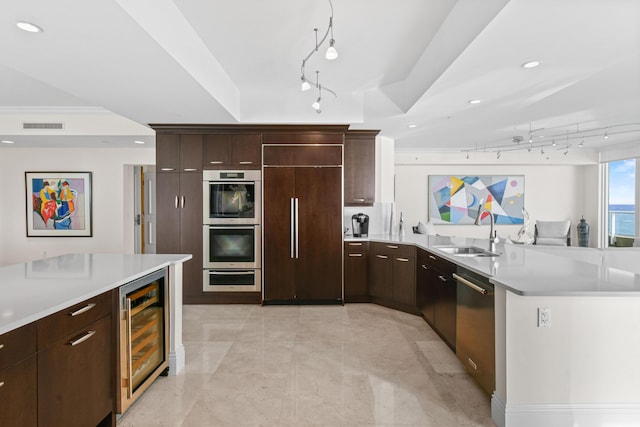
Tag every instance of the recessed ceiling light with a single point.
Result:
(29, 27)
(138, 142)
(6, 141)
(412, 126)
(531, 64)
(475, 101)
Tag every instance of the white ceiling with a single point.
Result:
(106, 69)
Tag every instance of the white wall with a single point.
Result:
(552, 191)
(112, 200)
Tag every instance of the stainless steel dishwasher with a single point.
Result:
(475, 327)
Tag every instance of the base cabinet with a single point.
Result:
(356, 265)
(392, 275)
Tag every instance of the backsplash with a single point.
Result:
(379, 217)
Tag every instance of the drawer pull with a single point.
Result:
(444, 279)
(433, 258)
(82, 339)
(246, 162)
(472, 363)
(403, 259)
(382, 256)
(190, 169)
(392, 246)
(83, 309)
(167, 169)
(358, 199)
(1, 383)
(355, 244)
(425, 266)
(216, 162)
(355, 255)
(1, 346)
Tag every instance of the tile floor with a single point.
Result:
(352, 365)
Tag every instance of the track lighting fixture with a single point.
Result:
(606, 133)
(498, 154)
(330, 54)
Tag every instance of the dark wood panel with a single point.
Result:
(404, 280)
(17, 345)
(381, 275)
(269, 130)
(225, 298)
(306, 155)
(167, 153)
(247, 151)
(394, 249)
(303, 138)
(279, 268)
(216, 151)
(356, 265)
(444, 312)
(191, 232)
(190, 153)
(168, 213)
(75, 385)
(63, 323)
(319, 262)
(18, 394)
(359, 168)
(425, 286)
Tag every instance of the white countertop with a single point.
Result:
(36, 289)
(539, 271)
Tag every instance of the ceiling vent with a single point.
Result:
(46, 126)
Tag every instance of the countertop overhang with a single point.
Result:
(529, 270)
(33, 290)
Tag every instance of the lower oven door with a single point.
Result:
(231, 280)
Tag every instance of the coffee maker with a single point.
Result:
(360, 225)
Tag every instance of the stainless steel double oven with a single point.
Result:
(232, 236)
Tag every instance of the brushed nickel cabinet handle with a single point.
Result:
(382, 256)
(355, 244)
(167, 169)
(246, 162)
(175, 203)
(470, 284)
(392, 246)
(82, 310)
(1, 346)
(1, 383)
(190, 169)
(403, 259)
(216, 162)
(82, 339)
(444, 279)
(424, 266)
(433, 258)
(472, 363)
(355, 255)
(359, 199)
(182, 202)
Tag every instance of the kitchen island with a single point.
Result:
(582, 368)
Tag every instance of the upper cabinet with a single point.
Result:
(178, 153)
(228, 151)
(359, 167)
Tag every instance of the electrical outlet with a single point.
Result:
(544, 317)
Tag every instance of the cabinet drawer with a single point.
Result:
(72, 319)
(353, 248)
(393, 249)
(17, 345)
(18, 395)
(437, 262)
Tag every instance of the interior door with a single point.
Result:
(149, 209)
(278, 267)
(319, 262)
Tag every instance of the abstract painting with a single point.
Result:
(58, 204)
(457, 199)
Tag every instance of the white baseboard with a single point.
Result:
(565, 415)
(176, 360)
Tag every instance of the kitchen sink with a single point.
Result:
(468, 251)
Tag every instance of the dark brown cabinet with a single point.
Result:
(178, 153)
(302, 219)
(76, 365)
(356, 264)
(179, 218)
(359, 167)
(232, 151)
(436, 292)
(393, 275)
(18, 377)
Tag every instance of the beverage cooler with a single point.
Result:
(144, 329)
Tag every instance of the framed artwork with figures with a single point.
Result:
(58, 204)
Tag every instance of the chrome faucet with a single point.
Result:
(493, 239)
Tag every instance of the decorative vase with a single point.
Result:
(583, 233)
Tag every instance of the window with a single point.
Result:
(621, 206)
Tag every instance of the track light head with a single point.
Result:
(305, 84)
(316, 105)
(332, 53)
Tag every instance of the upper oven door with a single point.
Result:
(232, 246)
(231, 197)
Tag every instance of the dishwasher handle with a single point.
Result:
(470, 284)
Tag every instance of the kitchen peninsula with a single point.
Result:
(48, 309)
(582, 368)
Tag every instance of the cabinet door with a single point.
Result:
(167, 153)
(359, 170)
(168, 213)
(246, 151)
(381, 269)
(404, 281)
(190, 153)
(425, 290)
(191, 231)
(75, 385)
(356, 265)
(216, 151)
(279, 267)
(18, 394)
(319, 261)
(445, 308)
